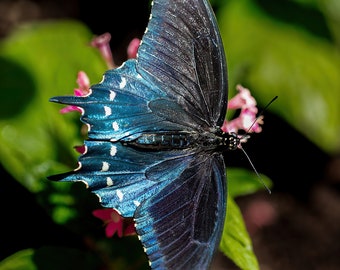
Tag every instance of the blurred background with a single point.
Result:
(279, 48)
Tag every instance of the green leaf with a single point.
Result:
(236, 243)
(245, 182)
(21, 260)
(40, 61)
(273, 57)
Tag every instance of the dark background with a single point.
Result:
(296, 227)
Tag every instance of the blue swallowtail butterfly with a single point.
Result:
(154, 147)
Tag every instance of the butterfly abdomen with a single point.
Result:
(164, 140)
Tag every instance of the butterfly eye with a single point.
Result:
(232, 141)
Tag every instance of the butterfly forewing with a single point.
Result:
(182, 53)
(125, 105)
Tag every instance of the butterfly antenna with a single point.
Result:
(246, 135)
(259, 115)
(270, 102)
(258, 175)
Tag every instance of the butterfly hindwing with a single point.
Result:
(123, 177)
(180, 226)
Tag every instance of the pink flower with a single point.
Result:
(82, 90)
(133, 48)
(102, 42)
(247, 120)
(114, 223)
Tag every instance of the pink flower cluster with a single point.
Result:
(114, 222)
(247, 119)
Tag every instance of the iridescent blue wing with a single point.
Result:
(124, 177)
(177, 198)
(177, 83)
(124, 104)
(182, 53)
(180, 226)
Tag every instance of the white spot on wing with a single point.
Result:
(78, 168)
(105, 167)
(103, 78)
(112, 95)
(137, 203)
(83, 181)
(109, 181)
(100, 198)
(82, 111)
(89, 93)
(107, 110)
(113, 150)
(122, 65)
(120, 194)
(115, 126)
(122, 83)
(118, 211)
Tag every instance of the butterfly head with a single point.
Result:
(231, 140)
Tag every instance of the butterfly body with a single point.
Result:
(154, 147)
(182, 140)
